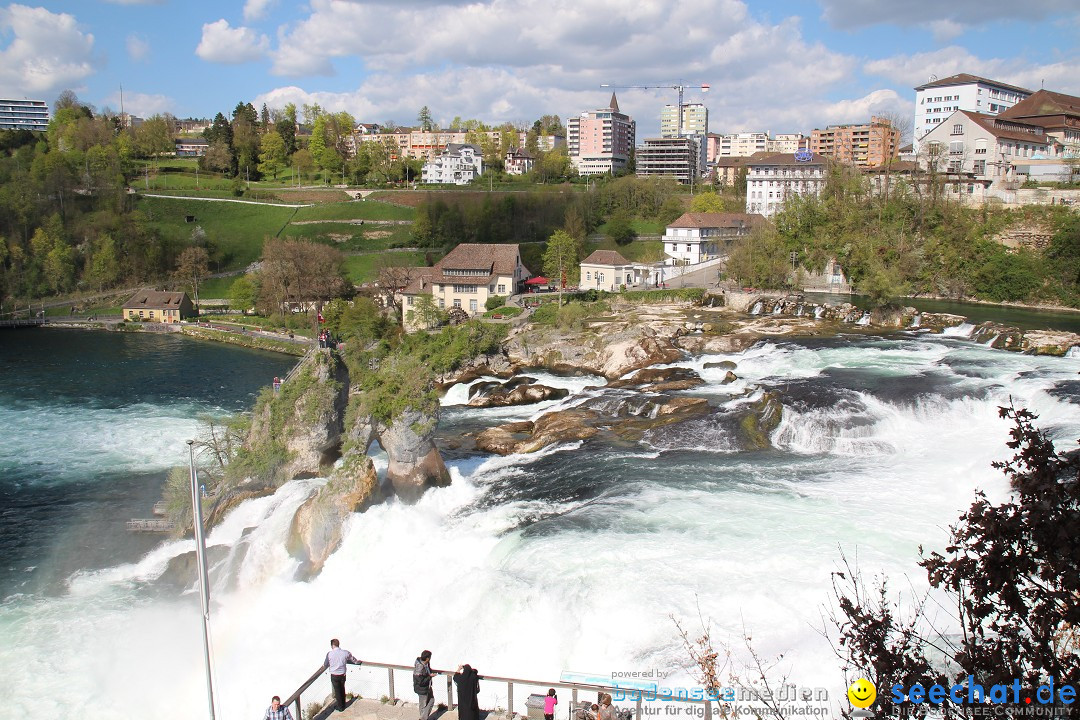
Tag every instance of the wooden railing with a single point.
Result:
(622, 691)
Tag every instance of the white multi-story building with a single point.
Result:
(742, 144)
(673, 157)
(24, 115)
(700, 237)
(771, 180)
(600, 141)
(789, 143)
(938, 99)
(457, 165)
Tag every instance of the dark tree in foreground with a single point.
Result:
(1012, 574)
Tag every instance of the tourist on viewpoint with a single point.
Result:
(421, 683)
(550, 701)
(276, 711)
(336, 660)
(468, 687)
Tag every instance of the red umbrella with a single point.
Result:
(538, 280)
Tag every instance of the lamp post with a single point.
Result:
(204, 586)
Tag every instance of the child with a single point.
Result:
(549, 705)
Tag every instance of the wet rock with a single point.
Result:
(316, 527)
(660, 380)
(721, 365)
(729, 377)
(182, 571)
(521, 395)
(414, 462)
(762, 417)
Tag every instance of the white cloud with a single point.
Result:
(914, 70)
(861, 13)
(137, 47)
(47, 53)
(225, 44)
(136, 2)
(142, 104)
(256, 9)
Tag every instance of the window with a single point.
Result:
(472, 306)
(457, 302)
(687, 247)
(588, 275)
(599, 277)
(957, 129)
(442, 303)
(502, 289)
(409, 300)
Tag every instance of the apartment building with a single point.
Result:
(863, 145)
(676, 157)
(1056, 113)
(742, 144)
(24, 115)
(695, 120)
(938, 99)
(789, 143)
(600, 141)
(426, 145)
(994, 149)
(772, 179)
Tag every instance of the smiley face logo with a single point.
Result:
(862, 693)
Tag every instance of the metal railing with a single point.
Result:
(623, 692)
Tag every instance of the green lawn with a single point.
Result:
(634, 251)
(216, 288)
(641, 227)
(364, 268)
(356, 210)
(235, 229)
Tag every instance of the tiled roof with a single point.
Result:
(988, 123)
(605, 257)
(420, 282)
(1044, 102)
(965, 78)
(716, 220)
(154, 299)
(486, 259)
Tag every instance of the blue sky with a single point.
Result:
(783, 66)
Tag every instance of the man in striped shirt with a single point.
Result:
(276, 711)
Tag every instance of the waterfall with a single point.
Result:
(756, 310)
(818, 312)
(864, 320)
(916, 321)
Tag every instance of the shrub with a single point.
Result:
(494, 301)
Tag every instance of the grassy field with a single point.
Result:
(641, 227)
(356, 210)
(236, 229)
(634, 251)
(364, 268)
(215, 288)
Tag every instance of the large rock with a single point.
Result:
(762, 417)
(414, 462)
(316, 527)
(549, 429)
(521, 390)
(660, 380)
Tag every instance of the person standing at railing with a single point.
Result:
(336, 660)
(276, 711)
(421, 681)
(468, 687)
(550, 701)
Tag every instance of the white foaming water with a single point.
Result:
(963, 330)
(459, 576)
(71, 442)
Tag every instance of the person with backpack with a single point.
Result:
(421, 680)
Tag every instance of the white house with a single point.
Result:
(985, 147)
(518, 161)
(771, 180)
(606, 270)
(700, 237)
(457, 165)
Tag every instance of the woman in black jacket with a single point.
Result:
(468, 686)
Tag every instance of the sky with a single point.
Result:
(780, 66)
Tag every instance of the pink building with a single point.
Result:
(600, 141)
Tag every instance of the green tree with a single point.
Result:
(317, 143)
(272, 156)
(154, 137)
(707, 202)
(104, 267)
(243, 292)
(560, 258)
(424, 118)
(620, 228)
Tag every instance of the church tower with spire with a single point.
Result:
(600, 141)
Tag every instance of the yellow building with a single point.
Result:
(465, 278)
(158, 306)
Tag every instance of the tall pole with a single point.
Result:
(204, 585)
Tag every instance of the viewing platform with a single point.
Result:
(157, 526)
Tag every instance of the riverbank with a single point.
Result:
(255, 339)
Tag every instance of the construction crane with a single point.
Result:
(680, 87)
